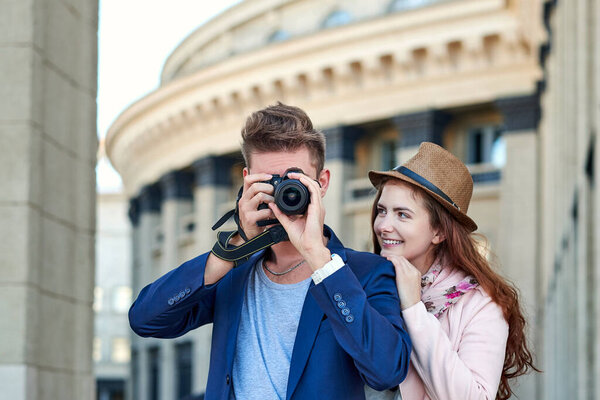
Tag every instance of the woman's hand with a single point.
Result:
(408, 281)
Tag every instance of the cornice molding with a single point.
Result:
(368, 74)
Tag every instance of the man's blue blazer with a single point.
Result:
(333, 355)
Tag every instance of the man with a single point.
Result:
(304, 319)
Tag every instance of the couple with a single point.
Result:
(308, 318)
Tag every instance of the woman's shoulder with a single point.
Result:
(476, 306)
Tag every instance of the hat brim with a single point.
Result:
(376, 177)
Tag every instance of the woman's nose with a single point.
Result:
(384, 225)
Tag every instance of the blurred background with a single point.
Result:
(119, 148)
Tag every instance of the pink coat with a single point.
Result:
(460, 356)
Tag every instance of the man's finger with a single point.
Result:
(283, 219)
(251, 179)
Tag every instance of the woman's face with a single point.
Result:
(402, 226)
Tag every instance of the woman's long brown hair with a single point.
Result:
(460, 250)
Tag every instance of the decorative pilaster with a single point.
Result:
(212, 180)
(521, 113)
(418, 127)
(177, 185)
(176, 202)
(518, 236)
(340, 150)
(134, 212)
(213, 185)
(213, 171)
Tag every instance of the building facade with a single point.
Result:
(509, 86)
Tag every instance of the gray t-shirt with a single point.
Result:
(266, 335)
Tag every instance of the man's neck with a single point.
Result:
(281, 257)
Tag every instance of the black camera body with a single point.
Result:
(291, 196)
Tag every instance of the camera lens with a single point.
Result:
(292, 197)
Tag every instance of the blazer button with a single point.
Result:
(187, 290)
(341, 304)
(337, 297)
(345, 311)
(227, 379)
(171, 301)
(350, 318)
(181, 294)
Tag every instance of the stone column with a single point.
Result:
(339, 159)
(48, 143)
(134, 219)
(414, 128)
(149, 217)
(213, 185)
(177, 202)
(519, 230)
(176, 188)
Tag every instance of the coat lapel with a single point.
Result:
(309, 324)
(308, 327)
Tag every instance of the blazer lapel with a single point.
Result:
(310, 320)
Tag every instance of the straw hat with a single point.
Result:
(441, 175)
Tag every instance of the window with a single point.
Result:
(388, 155)
(121, 350)
(337, 18)
(184, 369)
(278, 36)
(98, 297)
(121, 299)
(403, 5)
(486, 146)
(97, 349)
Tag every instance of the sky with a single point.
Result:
(135, 37)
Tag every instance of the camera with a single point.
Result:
(291, 196)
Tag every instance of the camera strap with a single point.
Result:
(239, 254)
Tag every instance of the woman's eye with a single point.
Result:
(380, 211)
(402, 214)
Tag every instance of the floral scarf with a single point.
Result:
(443, 286)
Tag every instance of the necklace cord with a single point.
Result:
(284, 272)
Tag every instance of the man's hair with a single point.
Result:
(282, 128)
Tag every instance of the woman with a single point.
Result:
(464, 319)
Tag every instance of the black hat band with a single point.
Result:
(422, 181)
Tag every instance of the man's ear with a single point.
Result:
(245, 172)
(324, 177)
(438, 237)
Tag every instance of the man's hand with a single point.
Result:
(255, 192)
(306, 231)
(408, 281)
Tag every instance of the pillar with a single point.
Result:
(339, 159)
(518, 231)
(176, 188)
(212, 189)
(414, 128)
(148, 216)
(48, 143)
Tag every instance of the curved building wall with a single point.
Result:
(378, 81)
